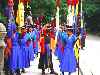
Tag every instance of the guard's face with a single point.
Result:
(69, 32)
(24, 30)
(30, 29)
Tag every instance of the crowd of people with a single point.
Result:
(22, 44)
(26, 42)
(26, 39)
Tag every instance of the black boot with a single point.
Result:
(69, 73)
(62, 73)
(10, 72)
(6, 68)
(6, 71)
(18, 72)
(53, 72)
(23, 70)
(43, 71)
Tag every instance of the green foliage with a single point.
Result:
(2, 18)
(90, 7)
(44, 7)
(4, 3)
(92, 10)
(63, 7)
(63, 11)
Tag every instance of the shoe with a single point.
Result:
(53, 72)
(6, 73)
(23, 70)
(18, 72)
(11, 73)
(62, 73)
(43, 72)
(69, 73)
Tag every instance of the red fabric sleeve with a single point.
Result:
(42, 45)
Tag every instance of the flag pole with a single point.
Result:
(81, 15)
(81, 28)
(57, 19)
(57, 22)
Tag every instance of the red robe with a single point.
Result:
(42, 45)
(7, 50)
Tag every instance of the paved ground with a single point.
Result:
(33, 70)
(89, 60)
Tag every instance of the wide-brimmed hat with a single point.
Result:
(69, 27)
(23, 27)
(29, 26)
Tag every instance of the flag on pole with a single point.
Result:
(81, 15)
(20, 14)
(77, 3)
(57, 18)
(11, 21)
(10, 8)
(10, 3)
(72, 11)
(68, 2)
(58, 3)
(69, 16)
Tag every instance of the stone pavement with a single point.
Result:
(33, 70)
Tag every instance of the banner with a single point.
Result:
(20, 14)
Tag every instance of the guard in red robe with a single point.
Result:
(45, 60)
(7, 53)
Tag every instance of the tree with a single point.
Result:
(63, 11)
(90, 7)
(3, 4)
(44, 7)
(92, 13)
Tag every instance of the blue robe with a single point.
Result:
(16, 53)
(36, 38)
(64, 36)
(11, 26)
(25, 51)
(58, 51)
(68, 61)
(31, 48)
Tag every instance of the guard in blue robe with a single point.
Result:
(36, 39)
(11, 26)
(16, 54)
(25, 49)
(34, 34)
(31, 35)
(68, 61)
